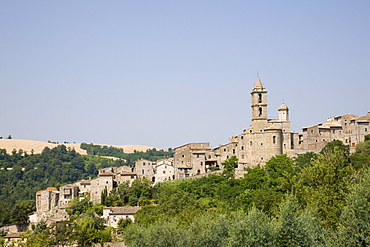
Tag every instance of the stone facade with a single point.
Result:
(66, 194)
(155, 171)
(164, 170)
(47, 199)
(144, 169)
(193, 159)
(266, 138)
(112, 215)
(348, 128)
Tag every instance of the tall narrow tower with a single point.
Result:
(259, 101)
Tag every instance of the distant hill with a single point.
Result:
(38, 146)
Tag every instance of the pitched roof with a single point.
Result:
(258, 85)
(123, 210)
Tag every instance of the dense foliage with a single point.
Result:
(311, 200)
(23, 174)
(129, 158)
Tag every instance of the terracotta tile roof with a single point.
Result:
(128, 173)
(123, 210)
(13, 235)
(362, 119)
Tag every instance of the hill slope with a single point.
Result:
(38, 146)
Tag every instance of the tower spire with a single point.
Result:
(258, 85)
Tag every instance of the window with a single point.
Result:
(164, 172)
(365, 129)
(197, 155)
(243, 156)
(209, 156)
(201, 163)
(242, 148)
(142, 171)
(233, 151)
(259, 98)
(274, 139)
(250, 143)
(242, 137)
(260, 111)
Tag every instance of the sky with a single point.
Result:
(167, 73)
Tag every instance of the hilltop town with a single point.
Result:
(264, 139)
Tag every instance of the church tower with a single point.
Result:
(259, 101)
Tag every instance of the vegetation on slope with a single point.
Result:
(311, 200)
(129, 158)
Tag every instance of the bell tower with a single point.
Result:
(259, 101)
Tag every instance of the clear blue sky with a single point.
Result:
(165, 73)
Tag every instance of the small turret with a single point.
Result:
(283, 113)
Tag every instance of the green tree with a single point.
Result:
(325, 185)
(337, 144)
(229, 167)
(252, 229)
(293, 228)
(361, 158)
(4, 214)
(103, 197)
(87, 228)
(77, 206)
(354, 225)
(19, 214)
(305, 160)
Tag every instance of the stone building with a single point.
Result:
(124, 174)
(144, 169)
(348, 128)
(193, 159)
(47, 199)
(112, 215)
(266, 138)
(164, 170)
(66, 194)
(155, 171)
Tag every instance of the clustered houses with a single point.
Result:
(109, 178)
(266, 138)
(50, 203)
(156, 171)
